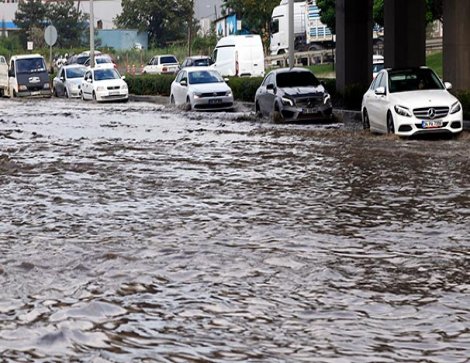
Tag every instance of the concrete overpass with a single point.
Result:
(405, 39)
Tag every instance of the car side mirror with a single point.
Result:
(448, 85)
(226, 79)
(184, 82)
(270, 87)
(123, 77)
(380, 91)
(88, 80)
(62, 79)
(10, 73)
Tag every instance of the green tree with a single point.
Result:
(69, 21)
(255, 14)
(164, 20)
(30, 15)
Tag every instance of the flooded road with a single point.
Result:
(139, 233)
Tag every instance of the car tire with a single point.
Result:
(82, 96)
(94, 96)
(390, 124)
(365, 120)
(258, 113)
(188, 106)
(66, 94)
(277, 115)
(172, 100)
(54, 92)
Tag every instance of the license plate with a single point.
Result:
(35, 93)
(114, 93)
(431, 124)
(213, 102)
(308, 110)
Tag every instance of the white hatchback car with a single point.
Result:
(411, 101)
(104, 84)
(68, 81)
(162, 64)
(201, 88)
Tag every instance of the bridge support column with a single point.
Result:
(457, 43)
(353, 43)
(405, 33)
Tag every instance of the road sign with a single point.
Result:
(50, 35)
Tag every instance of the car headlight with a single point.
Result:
(197, 95)
(403, 111)
(326, 98)
(22, 87)
(100, 89)
(124, 86)
(46, 86)
(228, 93)
(456, 107)
(287, 101)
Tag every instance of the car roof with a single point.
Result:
(200, 68)
(198, 57)
(290, 70)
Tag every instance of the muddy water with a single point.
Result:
(138, 233)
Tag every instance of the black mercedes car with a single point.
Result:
(293, 94)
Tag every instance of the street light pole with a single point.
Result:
(92, 35)
(190, 27)
(291, 33)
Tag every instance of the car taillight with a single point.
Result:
(164, 69)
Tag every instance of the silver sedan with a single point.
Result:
(68, 80)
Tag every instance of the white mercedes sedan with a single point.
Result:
(409, 102)
(201, 88)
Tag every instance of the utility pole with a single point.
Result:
(291, 33)
(92, 35)
(190, 27)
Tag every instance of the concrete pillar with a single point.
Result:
(405, 33)
(353, 43)
(457, 43)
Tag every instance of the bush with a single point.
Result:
(150, 84)
(244, 88)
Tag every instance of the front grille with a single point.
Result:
(113, 87)
(309, 102)
(425, 112)
(35, 88)
(214, 106)
(213, 94)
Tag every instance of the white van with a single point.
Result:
(239, 55)
(28, 76)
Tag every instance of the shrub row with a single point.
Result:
(244, 90)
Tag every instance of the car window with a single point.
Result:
(61, 73)
(202, 62)
(200, 77)
(88, 75)
(383, 81)
(30, 65)
(296, 79)
(377, 81)
(414, 80)
(168, 59)
(183, 76)
(75, 72)
(107, 73)
(377, 67)
(269, 79)
(179, 76)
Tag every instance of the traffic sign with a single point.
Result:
(50, 35)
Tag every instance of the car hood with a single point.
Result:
(109, 83)
(74, 81)
(303, 91)
(423, 98)
(210, 87)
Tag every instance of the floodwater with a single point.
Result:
(139, 233)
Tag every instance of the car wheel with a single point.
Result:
(54, 92)
(66, 93)
(365, 120)
(188, 106)
(258, 111)
(94, 96)
(390, 124)
(277, 115)
(172, 100)
(82, 95)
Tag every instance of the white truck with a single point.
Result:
(310, 33)
(25, 76)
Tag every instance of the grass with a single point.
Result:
(434, 61)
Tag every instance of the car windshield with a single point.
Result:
(296, 79)
(81, 59)
(377, 67)
(164, 60)
(103, 74)
(413, 80)
(30, 65)
(199, 77)
(101, 60)
(75, 72)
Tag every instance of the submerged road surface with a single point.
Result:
(139, 233)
